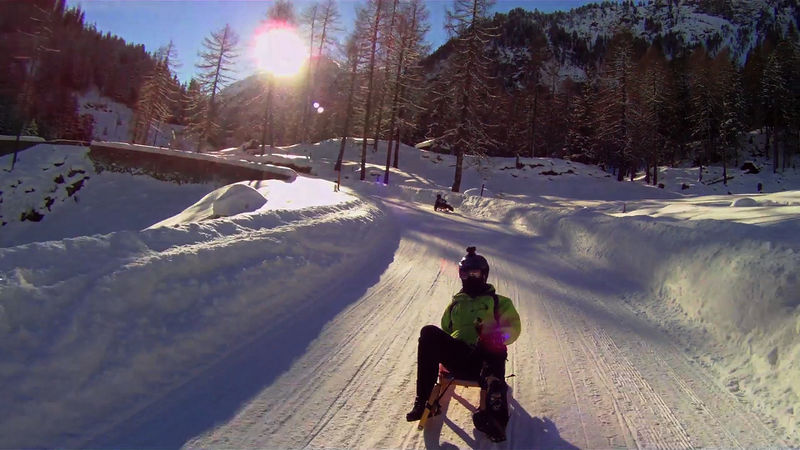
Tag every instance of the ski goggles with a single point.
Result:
(470, 273)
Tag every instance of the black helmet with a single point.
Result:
(473, 261)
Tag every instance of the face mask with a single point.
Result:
(473, 286)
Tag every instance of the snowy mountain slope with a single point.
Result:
(296, 327)
(579, 38)
(737, 26)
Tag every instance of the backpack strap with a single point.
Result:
(450, 314)
(496, 308)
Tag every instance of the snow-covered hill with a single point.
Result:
(651, 317)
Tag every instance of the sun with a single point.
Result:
(278, 50)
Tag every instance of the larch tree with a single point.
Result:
(322, 20)
(216, 66)
(196, 107)
(706, 100)
(281, 12)
(468, 81)
(650, 95)
(353, 53)
(39, 41)
(732, 126)
(156, 93)
(410, 31)
(383, 77)
(779, 95)
(614, 113)
(581, 136)
(538, 53)
(374, 13)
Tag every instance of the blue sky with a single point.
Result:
(154, 22)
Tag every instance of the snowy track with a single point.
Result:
(588, 372)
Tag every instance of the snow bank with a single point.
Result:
(55, 193)
(736, 281)
(226, 201)
(92, 323)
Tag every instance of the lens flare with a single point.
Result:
(278, 50)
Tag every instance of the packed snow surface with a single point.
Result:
(264, 314)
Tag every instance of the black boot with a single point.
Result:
(485, 423)
(416, 411)
(494, 418)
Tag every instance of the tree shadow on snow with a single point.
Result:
(215, 395)
(523, 431)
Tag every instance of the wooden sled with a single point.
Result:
(446, 382)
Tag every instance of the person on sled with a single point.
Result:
(475, 329)
(441, 204)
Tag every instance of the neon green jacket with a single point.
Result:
(461, 317)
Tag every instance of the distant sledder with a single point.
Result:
(441, 204)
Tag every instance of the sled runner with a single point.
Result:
(446, 381)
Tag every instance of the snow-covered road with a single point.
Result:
(588, 372)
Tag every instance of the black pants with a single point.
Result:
(460, 358)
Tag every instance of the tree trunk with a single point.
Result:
(347, 114)
(655, 171)
(533, 121)
(266, 128)
(775, 149)
(370, 82)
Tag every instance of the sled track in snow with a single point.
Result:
(588, 371)
(661, 397)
